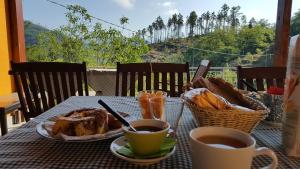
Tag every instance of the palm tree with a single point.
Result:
(139, 33)
(179, 24)
(244, 20)
(192, 22)
(124, 20)
(206, 17)
(219, 20)
(150, 30)
(155, 27)
(160, 27)
(143, 33)
(212, 21)
(234, 16)
(169, 25)
(200, 25)
(174, 22)
(252, 22)
(224, 10)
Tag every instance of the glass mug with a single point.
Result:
(152, 104)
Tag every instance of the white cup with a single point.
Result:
(205, 156)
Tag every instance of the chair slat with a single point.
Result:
(50, 92)
(64, 85)
(83, 71)
(117, 90)
(172, 84)
(71, 83)
(250, 82)
(164, 81)
(140, 81)
(180, 83)
(280, 83)
(79, 83)
(148, 80)
(124, 85)
(34, 91)
(156, 81)
(56, 87)
(21, 96)
(270, 82)
(42, 90)
(260, 84)
(241, 85)
(26, 89)
(132, 83)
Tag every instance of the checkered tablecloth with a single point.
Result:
(24, 148)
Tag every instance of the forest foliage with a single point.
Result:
(226, 37)
(83, 40)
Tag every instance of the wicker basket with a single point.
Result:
(237, 119)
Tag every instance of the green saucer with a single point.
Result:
(166, 148)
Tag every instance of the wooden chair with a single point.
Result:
(202, 70)
(260, 77)
(42, 85)
(167, 77)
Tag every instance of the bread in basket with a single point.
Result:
(211, 109)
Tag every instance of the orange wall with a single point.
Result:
(5, 55)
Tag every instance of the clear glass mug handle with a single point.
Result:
(270, 153)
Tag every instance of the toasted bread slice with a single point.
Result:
(230, 93)
(224, 89)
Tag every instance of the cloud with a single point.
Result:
(127, 4)
(171, 11)
(165, 4)
(168, 7)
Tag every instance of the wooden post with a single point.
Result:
(282, 32)
(17, 34)
(12, 43)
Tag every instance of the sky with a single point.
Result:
(141, 13)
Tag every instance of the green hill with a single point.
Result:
(31, 32)
(246, 46)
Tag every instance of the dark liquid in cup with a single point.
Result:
(148, 129)
(222, 142)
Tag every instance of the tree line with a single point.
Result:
(177, 27)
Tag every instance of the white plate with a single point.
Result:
(40, 129)
(121, 141)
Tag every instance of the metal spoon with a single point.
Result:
(116, 115)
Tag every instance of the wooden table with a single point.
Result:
(8, 103)
(24, 148)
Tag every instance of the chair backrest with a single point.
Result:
(42, 85)
(167, 77)
(260, 77)
(202, 69)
